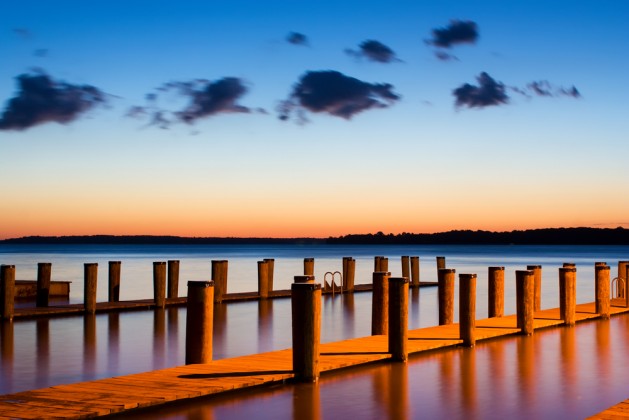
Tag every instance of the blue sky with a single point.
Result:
(420, 164)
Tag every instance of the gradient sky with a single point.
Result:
(418, 163)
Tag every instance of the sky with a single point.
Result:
(311, 118)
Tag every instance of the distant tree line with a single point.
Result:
(549, 236)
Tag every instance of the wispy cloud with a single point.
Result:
(40, 99)
(297, 38)
(336, 94)
(488, 92)
(545, 88)
(374, 51)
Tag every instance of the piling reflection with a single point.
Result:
(349, 322)
(89, 347)
(6, 353)
(398, 403)
(159, 338)
(467, 357)
(220, 331)
(414, 307)
(43, 352)
(306, 401)
(173, 332)
(113, 341)
(265, 325)
(526, 368)
(568, 359)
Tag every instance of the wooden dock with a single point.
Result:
(114, 395)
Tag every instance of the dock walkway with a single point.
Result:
(115, 395)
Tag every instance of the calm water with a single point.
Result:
(570, 371)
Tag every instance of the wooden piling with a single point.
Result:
(568, 290)
(376, 263)
(525, 300)
(306, 327)
(406, 266)
(43, 284)
(7, 291)
(467, 309)
(380, 303)
(173, 279)
(349, 270)
(90, 276)
(441, 263)
(622, 274)
(114, 281)
(496, 293)
(445, 277)
(602, 301)
(159, 284)
(384, 264)
(219, 277)
(398, 318)
(537, 279)
(271, 268)
(309, 266)
(199, 322)
(263, 279)
(415, 272)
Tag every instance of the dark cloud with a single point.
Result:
(487, 93)
(545, 88)
(204, 98)
(40, 99)
(336, 94)
(296, 38)
(457, 32)
(374, 51)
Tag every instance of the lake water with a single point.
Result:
(561, 371)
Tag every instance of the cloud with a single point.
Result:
(545, 88)
(297, 38)
(40, 99)
(445, 56)
(204, 98)
(23, 33)
(334, 93)
(374, 51)
(487, 93)
(457, 32)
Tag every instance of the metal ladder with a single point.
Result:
(615, 282)
(332, 286)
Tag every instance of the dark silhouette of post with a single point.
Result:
(445, 277)
(380, 303)
(90, 276)
(406, 266)
(173, 279)
(219, 277)
(525, 296)
(602, 290)
(467, 309)
(537, 278)
(309, 266)
(159, 284)
(263, 279)
(398, 318)
(568, 305)
(271, 268)
(306, 327)
(622, 274)
(496, 294)
(44, 271)
(199, 322)
(415, 272)
(7, 291)
(114, 281)
(349, 270)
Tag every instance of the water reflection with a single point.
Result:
(265, 325)
(43, 352)
(6, 352)
(113, 341)
(159, 338)
(307, 402)
(89, 347)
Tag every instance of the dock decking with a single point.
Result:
(115, 395)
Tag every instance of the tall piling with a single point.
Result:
(44, 271)
(306, 327)
(270, 271)
(441, 263)
(380, 303)
(219, 277)
(159, 284)
(173, 279)
(398, 318)
(90, 277)
(263, 279)
(113, 284)
(602, 277)
(349, 270)
(7, 292)
(537, 279)
(309, 266)
(467, 309)
(568, 303)
(496, 292)
(406, 266)
(445, 277)
(415, 271)
(199, 322)
(525, 304)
